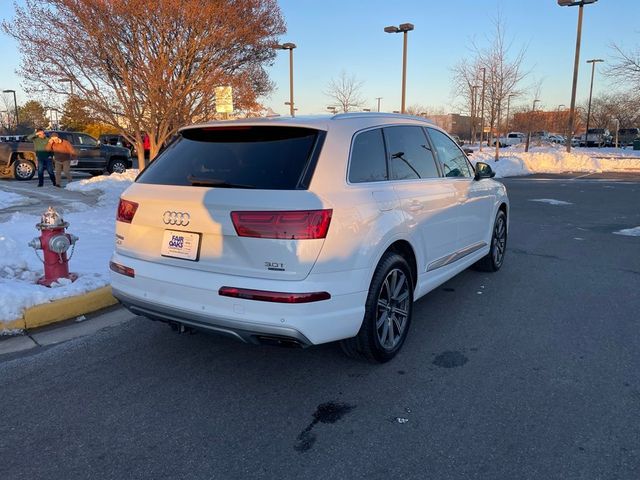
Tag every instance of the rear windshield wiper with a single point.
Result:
(214, 182)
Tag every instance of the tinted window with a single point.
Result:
(454, 161)
(410, 153)
(66, 136)
(368, 161)
(86, 140)
(271, 158)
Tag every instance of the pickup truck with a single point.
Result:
(18, 160)
(512, 138)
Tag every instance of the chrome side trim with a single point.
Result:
(454, 257)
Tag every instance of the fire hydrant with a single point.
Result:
(55, 243)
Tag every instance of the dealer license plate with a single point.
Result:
(180, 244)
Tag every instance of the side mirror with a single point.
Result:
(467, 151)
(483, 170)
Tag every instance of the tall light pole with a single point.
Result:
(533, 109)
(64, 80)
(290, 47)
(404, 28)
(15, 105)
(593, 71)
(472, 134)
(581, 4)
(508, 104)
(484, 78)
(378, 99)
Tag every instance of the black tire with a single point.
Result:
(384, 308)
(495, 258)
(117, 165)
(24, 169)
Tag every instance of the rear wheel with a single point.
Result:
(387, 312)
(24, 169)
(494, 259)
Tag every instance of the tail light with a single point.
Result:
(122, 270)
(126, 211)
(277, 297)
(289, 225)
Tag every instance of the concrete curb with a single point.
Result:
(61, 310)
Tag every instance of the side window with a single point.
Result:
(368, 162)
(454, 161)
(66, 136)
(410, 153)
(86, 140)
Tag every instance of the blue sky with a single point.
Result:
(336, 35)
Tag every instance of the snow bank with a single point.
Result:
(631, 232)
(10, 199)
(514, 161)
(20, 267)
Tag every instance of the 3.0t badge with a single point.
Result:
(180, 219)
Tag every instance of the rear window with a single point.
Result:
(268, 158)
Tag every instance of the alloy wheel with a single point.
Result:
(393, 309)
(499, 240)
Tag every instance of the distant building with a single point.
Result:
(555, 121)
(454, 124)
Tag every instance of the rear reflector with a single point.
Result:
(277, 297)
(287, 225)
(122, 270)
(126, 211)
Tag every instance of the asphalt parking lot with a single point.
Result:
(529, 373)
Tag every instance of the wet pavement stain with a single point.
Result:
(450, 360)
(329, 412)
(449, 289)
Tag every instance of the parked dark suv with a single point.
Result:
(626, 136)
(117, 141)
(18, 158)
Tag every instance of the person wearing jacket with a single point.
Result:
(63, 153)
(43, 155)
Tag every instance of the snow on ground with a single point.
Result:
(514, 161)
(10, 199)
(631, 232)
(20, 268)
(550, 201)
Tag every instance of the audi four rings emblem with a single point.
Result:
(176, 218)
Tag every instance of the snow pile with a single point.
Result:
(514, 161)
(10, 199)
(551, 201)
(20, 267)
(631, 232)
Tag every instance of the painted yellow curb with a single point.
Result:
(66, 308)
(12, 325)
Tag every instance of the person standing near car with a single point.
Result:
(63, 153)
(43, 156)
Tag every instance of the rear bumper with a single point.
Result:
(190, 297)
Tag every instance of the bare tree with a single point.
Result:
(624, 69)
(424, 110)
(148, 67)
(346, 91)
(503, 75)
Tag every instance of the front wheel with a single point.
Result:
(495, 258)
(24, 169)
(117, 165)
(387, 312)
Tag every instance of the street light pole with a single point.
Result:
(289, 46)
(15, 105)
(405, 28)
(508, 102)
(484, 77)
(533, 109)
(378, 99)
(580, 4)
(593, 71)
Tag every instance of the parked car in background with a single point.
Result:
(117, 141)
(302, 231)
(559, 139)
(626, 136)
(512, 138)
(577, 141)
(598, 137)
(17, 159)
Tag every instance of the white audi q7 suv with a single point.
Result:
(301, 231)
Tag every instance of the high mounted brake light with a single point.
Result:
(286, 225)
